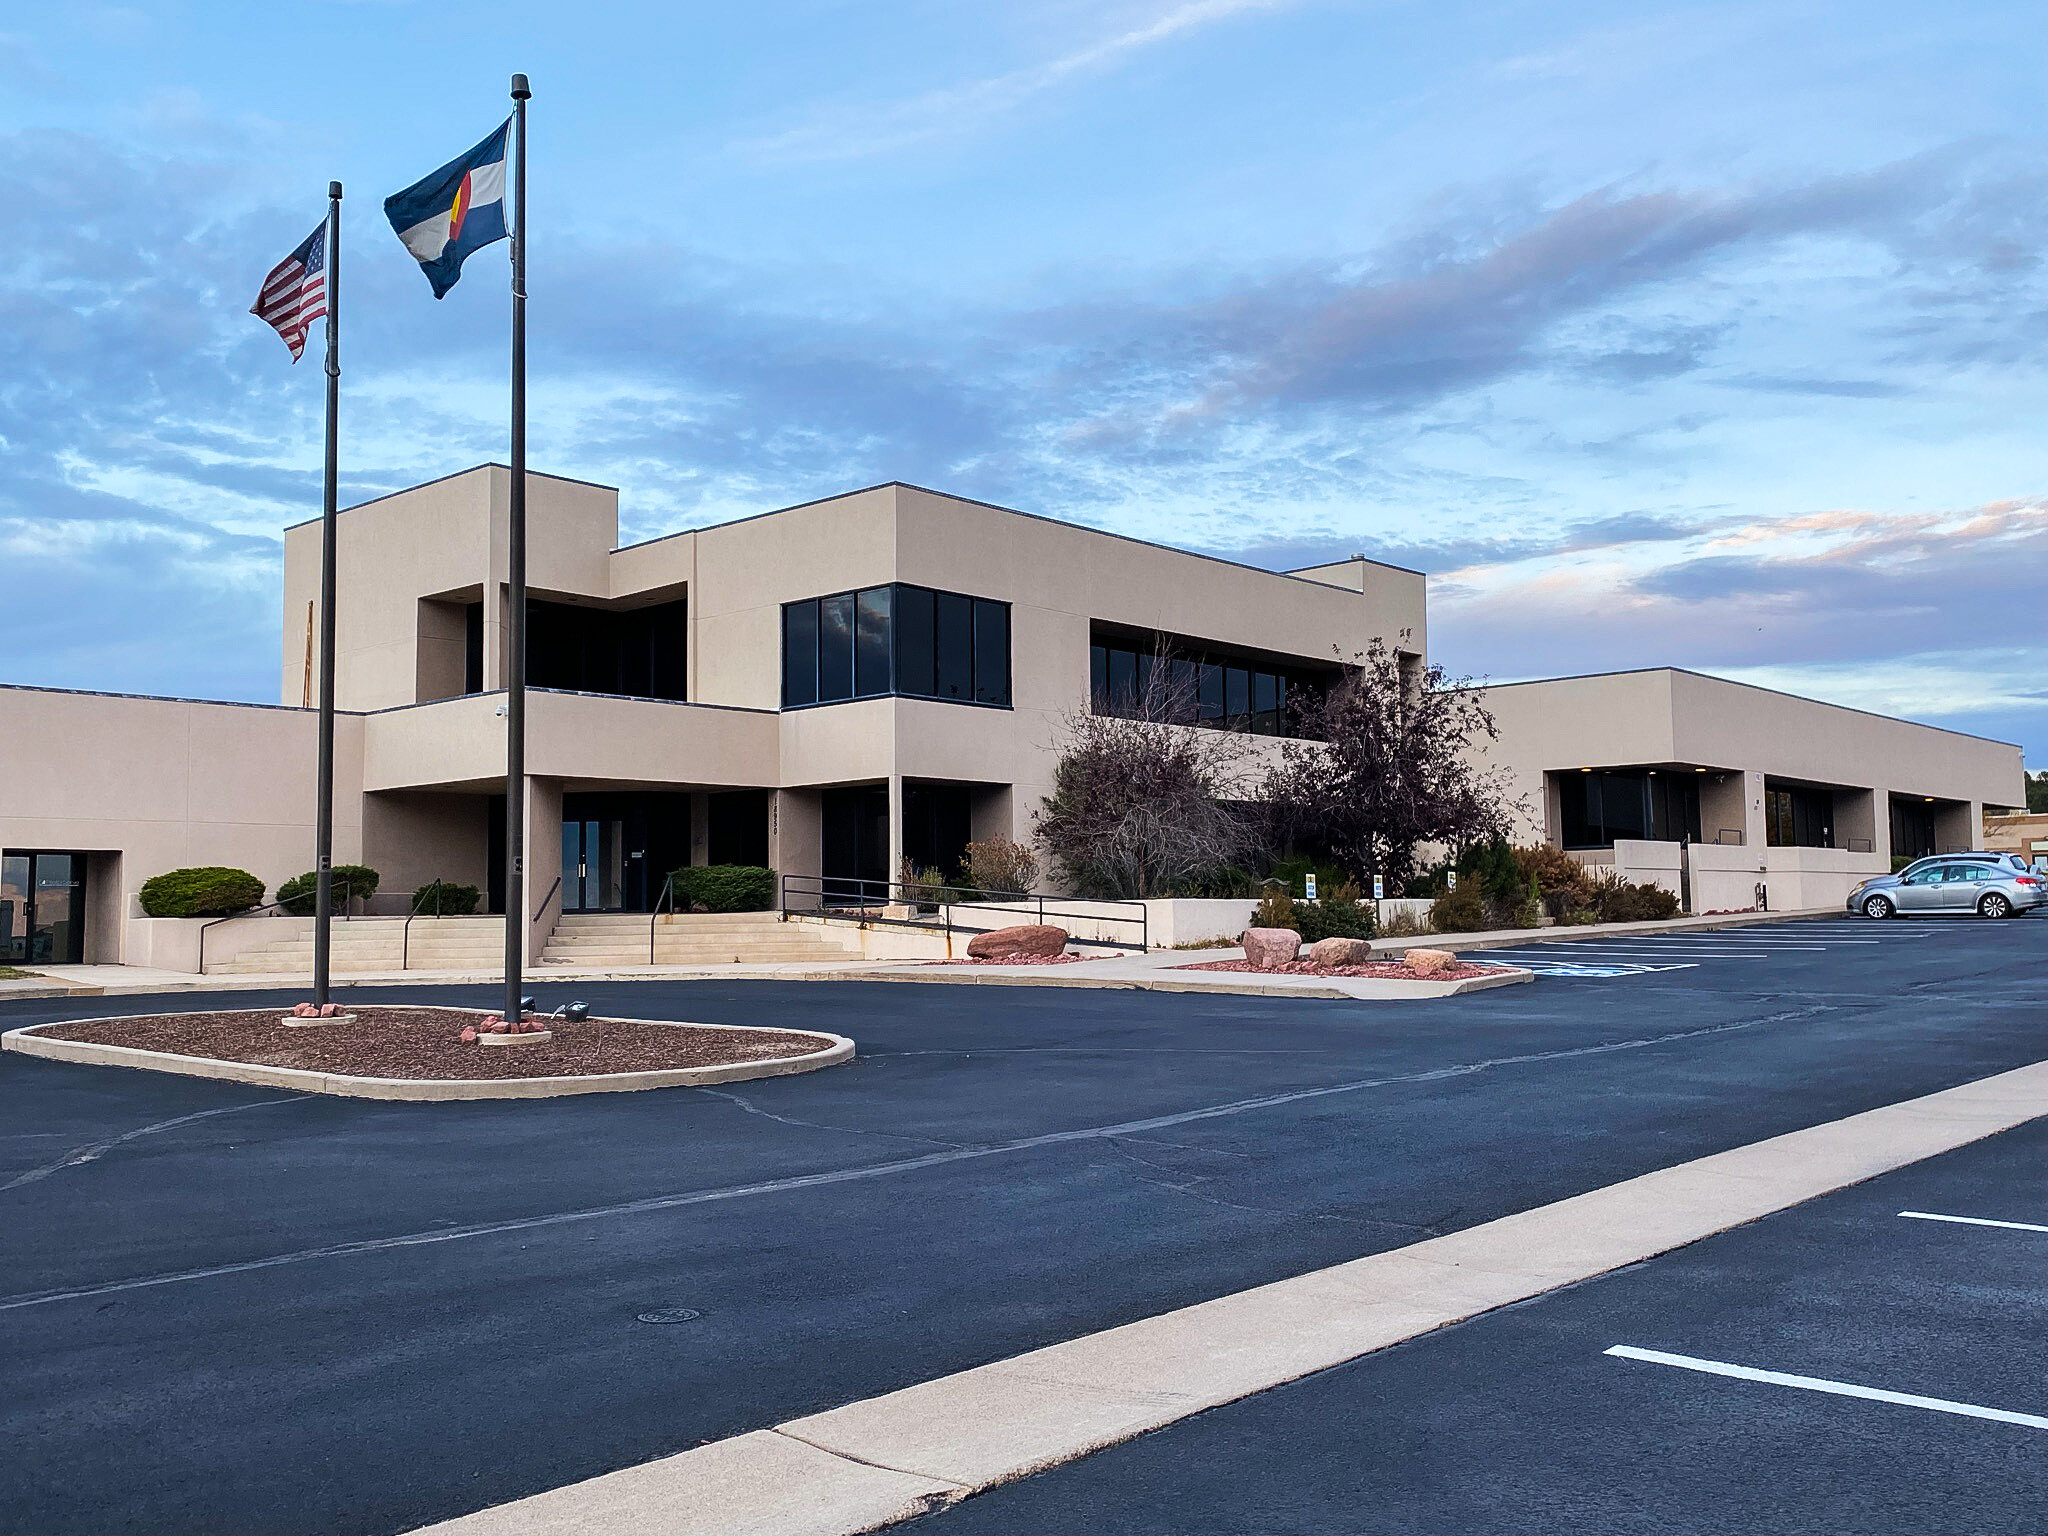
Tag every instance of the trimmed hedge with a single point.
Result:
(723, 888)
(208, 891)
(443, 898)
(301, 894)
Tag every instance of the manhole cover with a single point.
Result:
(670, 1315)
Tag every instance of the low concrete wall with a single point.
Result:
(172, 943)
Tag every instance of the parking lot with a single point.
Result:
(305, 1314)
(1599, 958)
(1843, 1367)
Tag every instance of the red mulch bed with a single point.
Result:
(1381, 970)
(1019, 960)
(421, 1043)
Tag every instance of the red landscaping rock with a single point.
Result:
(1429, 961)
(1267, 949)
(1335, 952)
(1034, 939)
(468, 1035)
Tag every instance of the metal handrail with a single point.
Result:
(405, 934)
(268, 906)
(667, 890)
(548, 898)
(870, 897)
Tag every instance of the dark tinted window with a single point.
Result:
(800, 653)
(1237, 698)
(636, 652)
(835, 647)
(915, 655)
(955, 645)
(1209, 693)
(895, 639)
(991, 652)
(871, 641)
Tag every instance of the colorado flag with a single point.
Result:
(457, 210)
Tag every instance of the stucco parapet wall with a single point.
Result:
(1670, 715)
(27, 1041)
(460, 743)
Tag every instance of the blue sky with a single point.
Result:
(1714, 335)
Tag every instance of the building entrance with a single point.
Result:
(42, 908)
(593, 866)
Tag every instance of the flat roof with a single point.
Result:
(1037, 517)
(161, 698)
(531, 474)
(1730, 682)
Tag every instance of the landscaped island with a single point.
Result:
(385, 1047)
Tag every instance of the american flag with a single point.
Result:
(295, 293)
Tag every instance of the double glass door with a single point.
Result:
(42, 908)
(593, 866)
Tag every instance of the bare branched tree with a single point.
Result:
(1391, 763)
(1140, 803)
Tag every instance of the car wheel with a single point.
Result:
(1878, 907)
(1994, 905)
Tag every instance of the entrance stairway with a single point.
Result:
(719, 938)
(367, 944)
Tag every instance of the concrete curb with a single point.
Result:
(1227, 983)
(904, 1452)
(29, 1043)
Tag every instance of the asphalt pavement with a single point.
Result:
(230, 1309)
(1840, 1367)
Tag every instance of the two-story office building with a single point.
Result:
(833, 688)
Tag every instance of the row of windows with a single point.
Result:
(1598, 808)
(636, 653)
(1799, 817)
(1199, 689)
(896, 639)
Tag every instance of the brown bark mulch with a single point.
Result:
(421, 1043)
(1381, 970)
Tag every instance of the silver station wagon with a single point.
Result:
(1988, 884)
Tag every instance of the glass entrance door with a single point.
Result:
(42, 908)
(593, 866)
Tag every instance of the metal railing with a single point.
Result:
(268, 906)
(900, 904)
(405, 933)
(667, 891)
(1729, 837)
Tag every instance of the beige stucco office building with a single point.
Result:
(833, 688)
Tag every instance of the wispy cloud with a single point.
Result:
(857, 130)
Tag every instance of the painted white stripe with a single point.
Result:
(1976, 1221)
(1835, 1388)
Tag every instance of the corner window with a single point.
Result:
(896, 639)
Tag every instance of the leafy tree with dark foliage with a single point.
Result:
(1386, 761)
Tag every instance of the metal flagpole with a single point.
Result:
(323, 815)
(515, 644)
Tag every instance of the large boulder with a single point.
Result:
(1336, 952)
(1429, 961)
(1270, 948)
(1037, 941)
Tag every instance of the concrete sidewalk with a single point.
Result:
(906, 1453)
(1160, 970)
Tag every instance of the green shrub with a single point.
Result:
(723, 888)
(1616, 900)
(1336, 914)
(210, 891)
(1459, 911)
(1219, 882)
(444, 898)
(1276, 909)
(350, 882)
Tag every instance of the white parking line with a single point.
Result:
(1836, 1388)
(1976, 1221)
